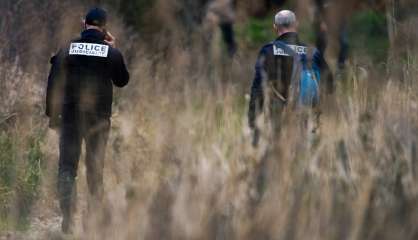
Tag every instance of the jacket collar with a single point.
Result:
(290, 37)
(93, 34)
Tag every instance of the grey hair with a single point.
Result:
(285, 18)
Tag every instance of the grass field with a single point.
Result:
(180, 164)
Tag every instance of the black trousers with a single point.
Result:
(75, 128)
(229, 38)
(322, 38)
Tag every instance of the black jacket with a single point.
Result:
(278, 69)
(82, 76)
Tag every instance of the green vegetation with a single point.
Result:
(20, 178)
(180, 163)
(258, 31)
(8, 157)
(368, 35)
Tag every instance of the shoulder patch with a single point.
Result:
(89, 49)
(300, 50)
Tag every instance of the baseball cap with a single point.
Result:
(96, 17)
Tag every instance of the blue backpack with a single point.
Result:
(304, 87)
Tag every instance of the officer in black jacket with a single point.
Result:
(79, 105)
(275, 70)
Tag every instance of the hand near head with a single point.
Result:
(96, 18)
(110, 39)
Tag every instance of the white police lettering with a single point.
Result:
(298, 49)
(278, 51)
(89, 49)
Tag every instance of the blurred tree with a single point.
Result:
(261, 8)
(133, 11)
(401, 25)
(192, 12)
(26, 25)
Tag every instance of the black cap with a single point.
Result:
(96, 17)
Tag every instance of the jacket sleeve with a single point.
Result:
(120, 75)
(326, 74)
(54, 91)
(257, 94)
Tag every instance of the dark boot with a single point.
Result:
(67, 224)
(66, 191)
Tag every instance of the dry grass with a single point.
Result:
(180, 164)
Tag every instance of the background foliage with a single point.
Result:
(180, 164)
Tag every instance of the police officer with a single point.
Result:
(79, 105)
(275, 71)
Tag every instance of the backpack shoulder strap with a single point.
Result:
(296, 69)
(310, 52)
